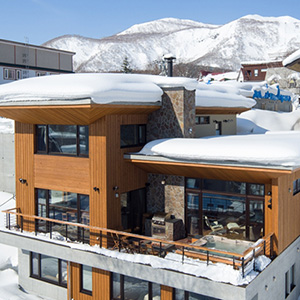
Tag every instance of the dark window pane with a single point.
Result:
(87, 282)
(142, 134)
(35, 264)
(128, 135)
(41, 138)
(63, 139)
(224, 186)
(49, 268)
(256, 189)
(64, 272)
(83, 140)
(193, 183)
(135, 289)
(116, 284)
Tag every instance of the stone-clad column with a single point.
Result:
(175, 119)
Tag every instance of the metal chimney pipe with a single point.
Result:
(169, 59)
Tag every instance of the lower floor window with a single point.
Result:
(125, 287)
(86, 279)
(48, 268)
(184, 295)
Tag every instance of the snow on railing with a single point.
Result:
(134, 243)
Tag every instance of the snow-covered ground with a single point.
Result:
(9, 287)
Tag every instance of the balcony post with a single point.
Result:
(21, 223)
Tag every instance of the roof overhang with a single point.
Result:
(81, 114)
(295, 65)
(209, 170)
(220, 110)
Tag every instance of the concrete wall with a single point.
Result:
(228, 125)
(7, 163)
(34, 286)
(270, 284)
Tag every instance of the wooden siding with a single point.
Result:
(235, 173)
(288, 211)
(166, 293)
(220, 110)
(71, 174)
(84, 114)
(101, 284)
(108, 169)
(24, 152)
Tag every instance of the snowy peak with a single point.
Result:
(251, 37)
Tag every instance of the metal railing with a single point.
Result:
(134, 243)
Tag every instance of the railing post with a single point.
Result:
(271, 246)
(182, 254)
(264, 247)
(120, 246)
(243, 267)
(207, 257)
(233, 262)
(100, 238)
(51, 230)
(21, 223)
(66, 232)
(253, 259)
(159, 249)
(9, 221)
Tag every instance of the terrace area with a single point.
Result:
(210, 249)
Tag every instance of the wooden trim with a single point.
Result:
(166, 293)
(220, 110)
(194, 170)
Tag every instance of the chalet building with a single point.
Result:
(21, 60)
(97, 218)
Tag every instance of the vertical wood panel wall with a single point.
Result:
(166, 293)
(24, 153)
(108, 169)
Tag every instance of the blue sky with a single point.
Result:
(41, 20)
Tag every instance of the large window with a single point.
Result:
(184, 295)
(86, 279)
(229, 208)
(70, 140)
(64, 206)
(133, 135)
(129, 288)
(48, 268)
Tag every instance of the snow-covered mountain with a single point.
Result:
(222, 46)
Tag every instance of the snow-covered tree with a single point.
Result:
(125, 66)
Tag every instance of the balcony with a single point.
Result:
(129, 243)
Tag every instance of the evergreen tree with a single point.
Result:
(125, 66)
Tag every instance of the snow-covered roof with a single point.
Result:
(291, 58)
(260, 62)
(90, 88)
(221, 95)
(276, 149)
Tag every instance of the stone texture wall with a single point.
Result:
(176, 117)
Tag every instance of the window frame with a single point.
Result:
(202, 120)
(136, 132)
(6, 73)
(82, 289)
(47, 144)
(59, 281)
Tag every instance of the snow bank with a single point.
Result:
(261, 121)
(281, 149)
(100, 88)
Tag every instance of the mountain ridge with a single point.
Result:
(251, 37)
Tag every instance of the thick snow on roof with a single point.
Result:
(291, 58)
(261, 121)
(281, 149)
(100, 88)
(221, 95)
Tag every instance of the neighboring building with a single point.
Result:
(21, 60)
(257, 70)
(79, 179)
